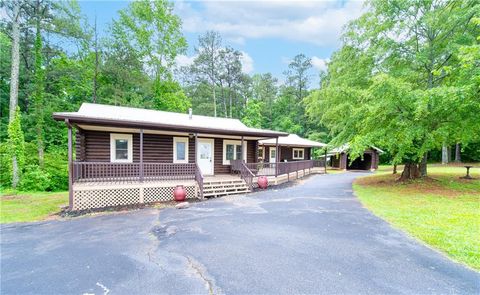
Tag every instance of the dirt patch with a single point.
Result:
(427, 185)
(14, 197)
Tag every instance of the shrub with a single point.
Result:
(34, 179)
(56, 165)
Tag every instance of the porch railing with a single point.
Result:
(275, 169)
(199, 179)
(118, 172)
(248, 171)
(246, 175)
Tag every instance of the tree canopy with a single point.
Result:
(398, 80)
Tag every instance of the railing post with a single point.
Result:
(241, 156)
(276, 156)
(70, 163)
(141, 155)
(296, 168)
(325, 161)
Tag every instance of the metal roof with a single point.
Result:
(346, 147)
(292, 140)
(100, 114)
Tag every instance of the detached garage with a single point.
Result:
(339, 158)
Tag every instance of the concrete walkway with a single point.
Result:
(314, 237)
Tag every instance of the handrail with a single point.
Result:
(279, 168)
(199, 179)
(246, 175)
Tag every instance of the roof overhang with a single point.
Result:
(92, 121)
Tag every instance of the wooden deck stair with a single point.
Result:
(216, 187)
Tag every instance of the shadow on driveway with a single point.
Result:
(314, 237)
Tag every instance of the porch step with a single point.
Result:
(224, 187)
(223, 182)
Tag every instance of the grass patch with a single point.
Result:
(334, 171)
(442, 210)
(23, 207)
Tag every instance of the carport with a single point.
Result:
(340, 158)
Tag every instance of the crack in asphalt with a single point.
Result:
(105, 289)
(195, 265)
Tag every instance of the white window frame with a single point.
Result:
(180, 139)
(113, 156)
(262, 155)
(298, 157)
(234, 142)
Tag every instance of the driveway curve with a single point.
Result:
(313, 237)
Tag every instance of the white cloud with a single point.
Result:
(184, 60)
(246, 60)
(247, 63)
(316, 22)
(320, 63)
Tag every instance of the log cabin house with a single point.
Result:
(290, 148)
(126, 156)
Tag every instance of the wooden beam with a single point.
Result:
(70, 165)
(196, 147)
(276, 156)
(325, 162)
(141, 155)
(243, 151)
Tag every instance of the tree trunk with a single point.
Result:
(457, 153)
(444, 154)
(395, 169)
(230, 97)
(224, 101)
(14, 81)
(39, 89)
(423, 166)
(410, 171)
(214, 100)
(94, 99)
(15, 60)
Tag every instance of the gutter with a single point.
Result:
(168, 127)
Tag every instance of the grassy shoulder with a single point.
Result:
(442, 210)
(34, 206)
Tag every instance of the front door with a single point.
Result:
(273, 155)
(205, 156)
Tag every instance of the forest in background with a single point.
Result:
(362, 99)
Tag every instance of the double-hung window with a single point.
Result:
(298, 154)
(121, 148)
(180, 150)
(261, 153)
(232, 150)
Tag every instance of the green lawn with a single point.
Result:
(23, 207)
(443, 210)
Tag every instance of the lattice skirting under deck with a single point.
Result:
(90, 198)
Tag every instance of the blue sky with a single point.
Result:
(269, 33)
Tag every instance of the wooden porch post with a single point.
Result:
(70, 165)
(196, 147)
(241, 156)
(325, 162)
(276, 156)
(141, 155)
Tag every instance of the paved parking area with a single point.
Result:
(314, 237)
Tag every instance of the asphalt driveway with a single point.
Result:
(314, 237)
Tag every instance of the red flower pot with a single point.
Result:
(262, 182)
(179, 193)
